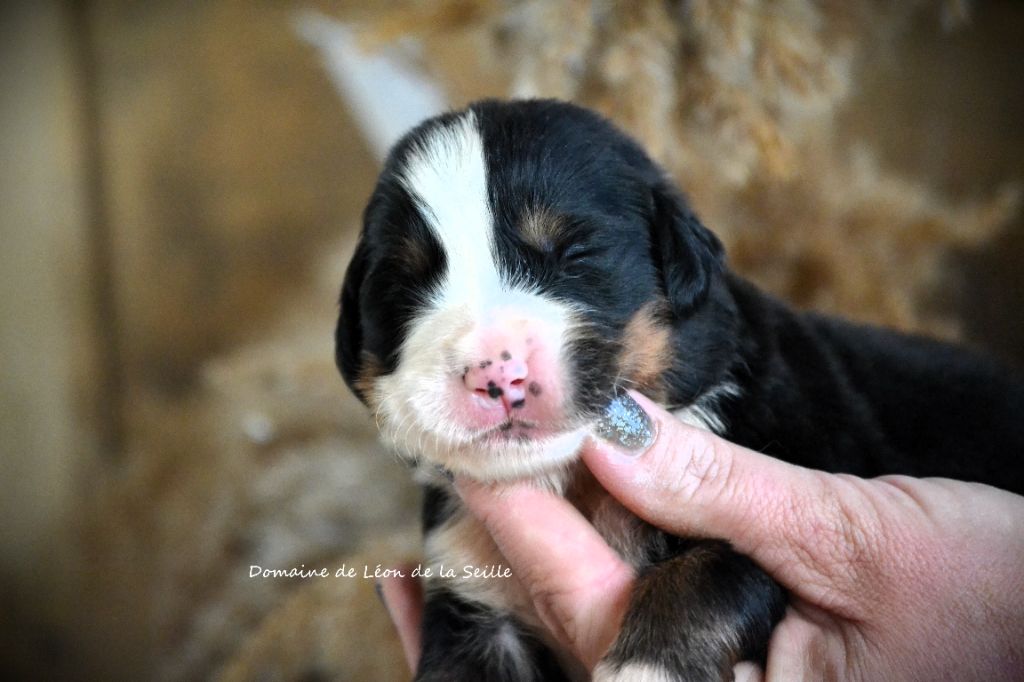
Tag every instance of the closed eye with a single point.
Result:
(565, 251)
(575, 251)
(561, 241)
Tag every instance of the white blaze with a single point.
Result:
(448, 176)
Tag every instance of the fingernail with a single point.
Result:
(624, 423)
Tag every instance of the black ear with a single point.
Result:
(686, 253)
(348, 335)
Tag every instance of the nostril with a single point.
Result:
(492, 390)
(518, 382)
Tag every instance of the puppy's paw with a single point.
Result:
(631, 672)
(608, 671)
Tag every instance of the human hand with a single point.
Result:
(889, 578)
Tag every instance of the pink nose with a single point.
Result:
(500, 377)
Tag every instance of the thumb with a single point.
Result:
(690, 482)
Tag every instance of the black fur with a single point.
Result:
(686, 605)
(458, 645)
(438, 507)
(811, 390)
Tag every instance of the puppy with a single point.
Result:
(522, 262)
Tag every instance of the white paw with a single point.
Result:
(748, 672)
(630, 672)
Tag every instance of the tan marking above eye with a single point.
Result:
(541, 229)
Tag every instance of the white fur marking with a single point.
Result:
(631, 672)
(703, 414)
(509, 647)
(448, 175)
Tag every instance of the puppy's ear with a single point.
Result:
(686, 253)
(348, 335)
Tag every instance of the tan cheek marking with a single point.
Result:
(646, 350)
(366, 379)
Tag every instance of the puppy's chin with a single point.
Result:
(496, 455)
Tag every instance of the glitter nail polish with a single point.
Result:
(624, 423)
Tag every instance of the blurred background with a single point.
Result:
(181, 183)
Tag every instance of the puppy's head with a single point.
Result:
(518, 263)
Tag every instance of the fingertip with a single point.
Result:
(630, 429)
(622, 461)
(484, 499)
(616, 471)
(652, 408)
(465, 487)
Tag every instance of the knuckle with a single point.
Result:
(699, 465)
(566, 607)
(836, 539)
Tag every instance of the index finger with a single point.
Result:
(579, 586)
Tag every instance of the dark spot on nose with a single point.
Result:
(519, 403)
(485, 364)
(494, 390)
(505, 355)
(534, 388)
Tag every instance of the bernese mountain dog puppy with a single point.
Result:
(519, 264)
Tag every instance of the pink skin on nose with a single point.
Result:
(512, 382)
